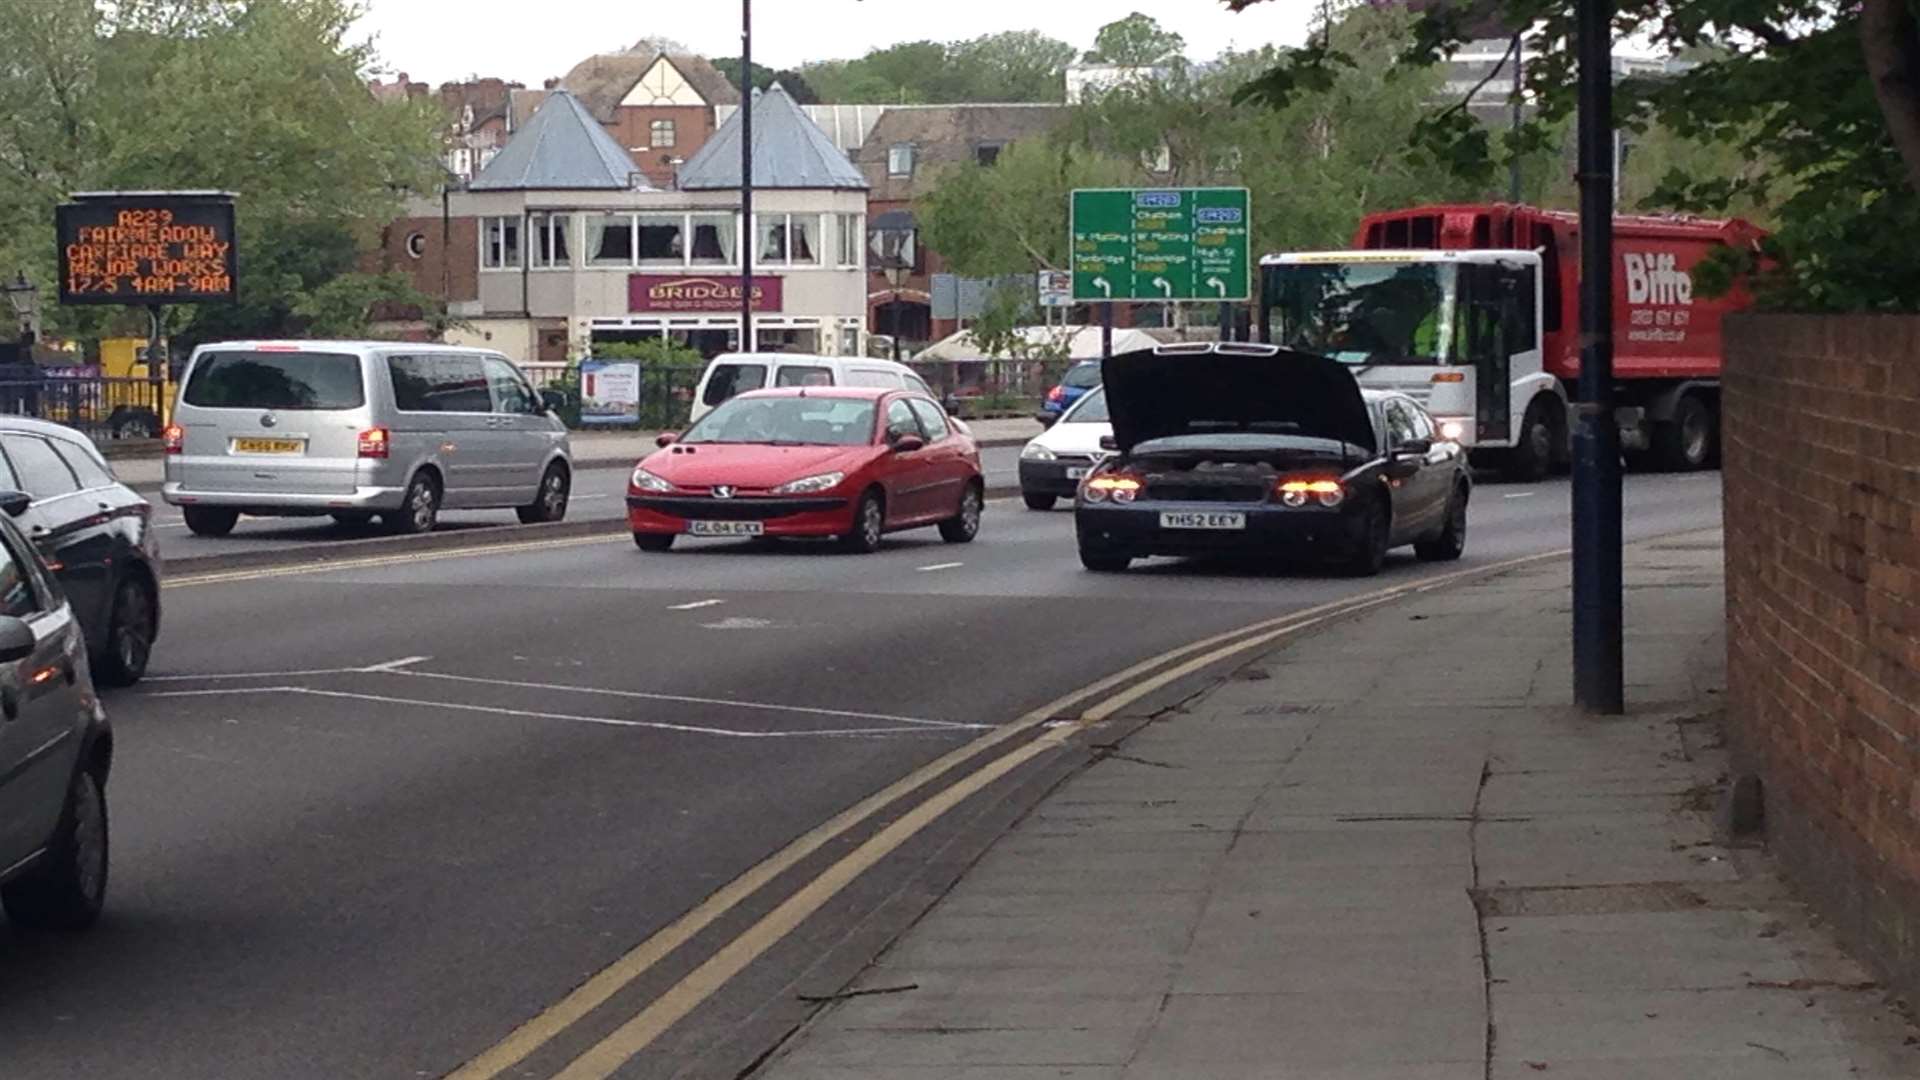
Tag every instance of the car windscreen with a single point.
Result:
(1091, 409)
(730, 379)
(787, 421)
(1082, 377)
(276, 380)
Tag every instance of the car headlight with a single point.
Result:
(823, 482)
(1452, 430)
(1033, 451)
(1329, 493)
(646, 481)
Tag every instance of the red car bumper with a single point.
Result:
(798, 516)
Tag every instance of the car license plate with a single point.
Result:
(1173, 519)
(268, 446)
(725, 528)
(1078, 472)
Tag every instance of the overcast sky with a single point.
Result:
(436, 41)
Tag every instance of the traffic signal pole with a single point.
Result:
(1598, 675)
(748, 233)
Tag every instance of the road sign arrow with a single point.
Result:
(1218, 284)
(1165, 286)
(1103, 285)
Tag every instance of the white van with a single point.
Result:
(736, 373)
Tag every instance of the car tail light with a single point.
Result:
(1296, 492)
(1058, 393)
(1450, 376)
(1120, 487)
(174, 438)
(374, 442)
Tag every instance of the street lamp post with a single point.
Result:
(747, 230)
(1598, 676)
(23, 297)
(897, 239)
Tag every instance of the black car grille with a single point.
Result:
(1187, 490)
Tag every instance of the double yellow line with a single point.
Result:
(1101, 700)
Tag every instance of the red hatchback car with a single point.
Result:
(848, 462)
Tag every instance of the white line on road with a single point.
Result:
(395, 665)
(941, 566)
(1522, 494)
(682, 699)
(586, 498)
(694, 605)
(605, 721)
(389, 667)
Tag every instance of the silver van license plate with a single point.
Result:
(725, 528)
(1172, 519)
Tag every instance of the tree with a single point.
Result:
(1822, 96)
(793, 81)
(1135, 41)
(1011, 217)
(264, 98)
(1015, 66)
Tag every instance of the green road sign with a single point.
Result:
(1160, 244)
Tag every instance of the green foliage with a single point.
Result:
(347, 306)
(264, 98)
(650, 351)
(1011, 217)
(1779, 118)
(1135, 41)
(1018, 65)
(793, 82)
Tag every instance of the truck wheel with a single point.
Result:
(1686, 442)
(1531, 460)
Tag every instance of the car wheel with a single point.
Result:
(869, 524)
(1102, 561)
(420, 511)
(352, 519)
(1037, 501)
(1685, 443)
(130, 633)
(550, 504)
(69, 888)
(1451, 541)
(1371, 554)
(653, 541)
(1532, 459)
(210, 521)
(965, 525)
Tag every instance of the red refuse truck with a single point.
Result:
(1474, 311)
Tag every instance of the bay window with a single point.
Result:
(500, 243)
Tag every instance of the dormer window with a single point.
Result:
(900, 160)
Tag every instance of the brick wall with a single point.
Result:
(462, 278)
(632, 127)
(1822, 453)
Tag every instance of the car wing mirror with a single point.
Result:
(16, 639)
(1109, 443)
(1414, 448)
(1047, 419)
(552, 400)
(906, 444)
(666, 438)
(15, 503)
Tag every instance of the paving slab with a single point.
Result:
(1387, 856)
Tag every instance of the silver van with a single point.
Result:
(359, 428)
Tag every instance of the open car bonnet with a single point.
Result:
(1203, 389)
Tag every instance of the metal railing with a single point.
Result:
(104, 409)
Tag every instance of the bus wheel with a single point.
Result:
(1531, 460)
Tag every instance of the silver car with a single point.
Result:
(358, 428)
(55, 751)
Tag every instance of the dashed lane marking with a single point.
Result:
(695, 605)
(941, 566)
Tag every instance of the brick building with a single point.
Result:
(660, 107)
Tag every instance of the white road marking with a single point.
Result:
(694, 605)
(1522, 494)
(390, 667)
(738, 623)
(682, 699)
(394, 666)
(941, 566)
(494, 710)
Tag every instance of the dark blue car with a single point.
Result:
(1079, 379)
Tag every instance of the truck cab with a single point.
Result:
(1457, 331)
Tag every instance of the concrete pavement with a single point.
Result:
(597, 449)
(1391, 851)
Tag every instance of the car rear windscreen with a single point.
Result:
(1082, 376)
(276, 380)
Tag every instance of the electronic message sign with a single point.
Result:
(146, 248)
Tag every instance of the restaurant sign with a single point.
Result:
(680, 292)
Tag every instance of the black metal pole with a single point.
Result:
(1598, 678)
(446, 241)
(1519, 91)
(748, 230)
(1106, 330)
(1226, 321)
